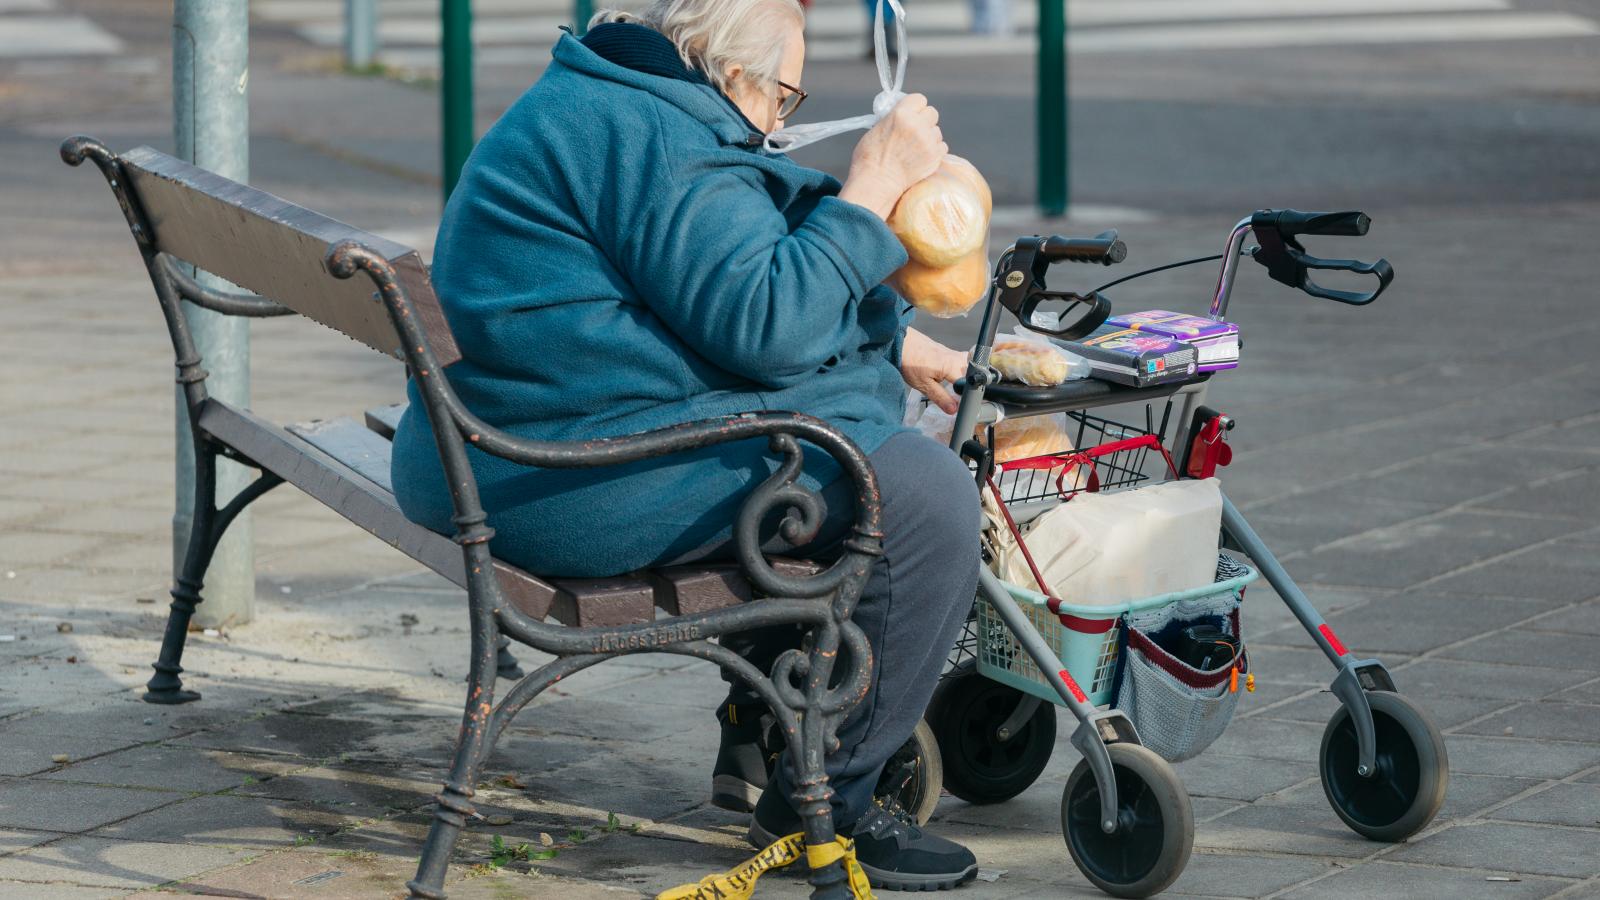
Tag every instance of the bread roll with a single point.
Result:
(1029, 362)
(940, 220)
(944, 291)
(1030, 436)
(960, 168)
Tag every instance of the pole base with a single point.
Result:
(171, 698)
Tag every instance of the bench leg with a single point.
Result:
(205, 532)
(811, 797)
(165, 687)
(454, 803)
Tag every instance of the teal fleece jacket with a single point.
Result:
(620, 255)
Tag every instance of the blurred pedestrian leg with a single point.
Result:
(992, 17)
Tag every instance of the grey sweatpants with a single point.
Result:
(915, 600)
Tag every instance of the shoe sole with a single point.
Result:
(734, 794)
(889, 881)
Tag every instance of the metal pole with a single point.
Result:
(456, 99)
(211, 116)
(582, 12)
(1052, 113)
(360, 33)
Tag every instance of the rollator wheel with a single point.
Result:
(1411, 773)
(966, 713)
(913, 777)
(1155, 825)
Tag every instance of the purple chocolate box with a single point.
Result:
(1217, 343)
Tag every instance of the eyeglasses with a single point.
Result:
(791, 101)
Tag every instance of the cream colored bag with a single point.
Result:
(1115, 547)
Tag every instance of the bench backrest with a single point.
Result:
(279, 250)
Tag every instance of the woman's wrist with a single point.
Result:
(872, 191)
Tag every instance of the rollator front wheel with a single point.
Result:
(966, 713)
(1155, 824)
(1408, 783)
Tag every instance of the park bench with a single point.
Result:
(288, 260)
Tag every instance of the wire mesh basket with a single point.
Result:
(1119, 455)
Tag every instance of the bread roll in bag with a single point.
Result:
(960, 168)
(946, 291)
(1029, 362)
(1030, 436)
(940, 219)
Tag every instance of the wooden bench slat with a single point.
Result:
(349, 493)
(679, 590)
(277, 249)
(385, 420)
(363, 453)
(622, 600)
(683, 590)
(349, 443)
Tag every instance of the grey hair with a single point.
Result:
(712, 35)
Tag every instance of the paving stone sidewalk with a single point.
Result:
(1439, 504)
(1428, 467)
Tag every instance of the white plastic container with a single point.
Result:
(1111, 548)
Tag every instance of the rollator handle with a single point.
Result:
(1103, 248)
(1288, 262)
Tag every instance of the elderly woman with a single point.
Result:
(621, 254)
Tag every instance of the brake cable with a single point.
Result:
(1187, 262)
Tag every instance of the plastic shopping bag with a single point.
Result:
(890, 81)
(1031, 359)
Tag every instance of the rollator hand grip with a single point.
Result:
(1290, 222)
(1288, 262)
(1103, 248)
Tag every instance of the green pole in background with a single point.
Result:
(456, 89)
(582, 12)
(1052, 114)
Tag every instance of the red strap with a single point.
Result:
(1052, 460)
(1021, 544)
(1086, 626)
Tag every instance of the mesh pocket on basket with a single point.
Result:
(1177, 709)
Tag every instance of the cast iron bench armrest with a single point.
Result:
(783, 429)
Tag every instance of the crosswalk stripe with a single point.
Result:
(1198, 36)
(321, 23)
(1253, 35)
(1087, 12)
(32, 36)
(1096, 13)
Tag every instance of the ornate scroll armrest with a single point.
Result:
(783, 430)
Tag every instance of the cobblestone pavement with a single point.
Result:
(1429, 468)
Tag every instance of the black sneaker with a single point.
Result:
(895, 854)
(740, 772)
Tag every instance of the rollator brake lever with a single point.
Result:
(1038, 315)
(1288, 262)
(1061, 314)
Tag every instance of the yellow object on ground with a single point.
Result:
(739, 882)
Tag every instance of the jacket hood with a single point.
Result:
(701, 101)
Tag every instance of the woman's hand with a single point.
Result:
(905, 147)
(928, 365)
